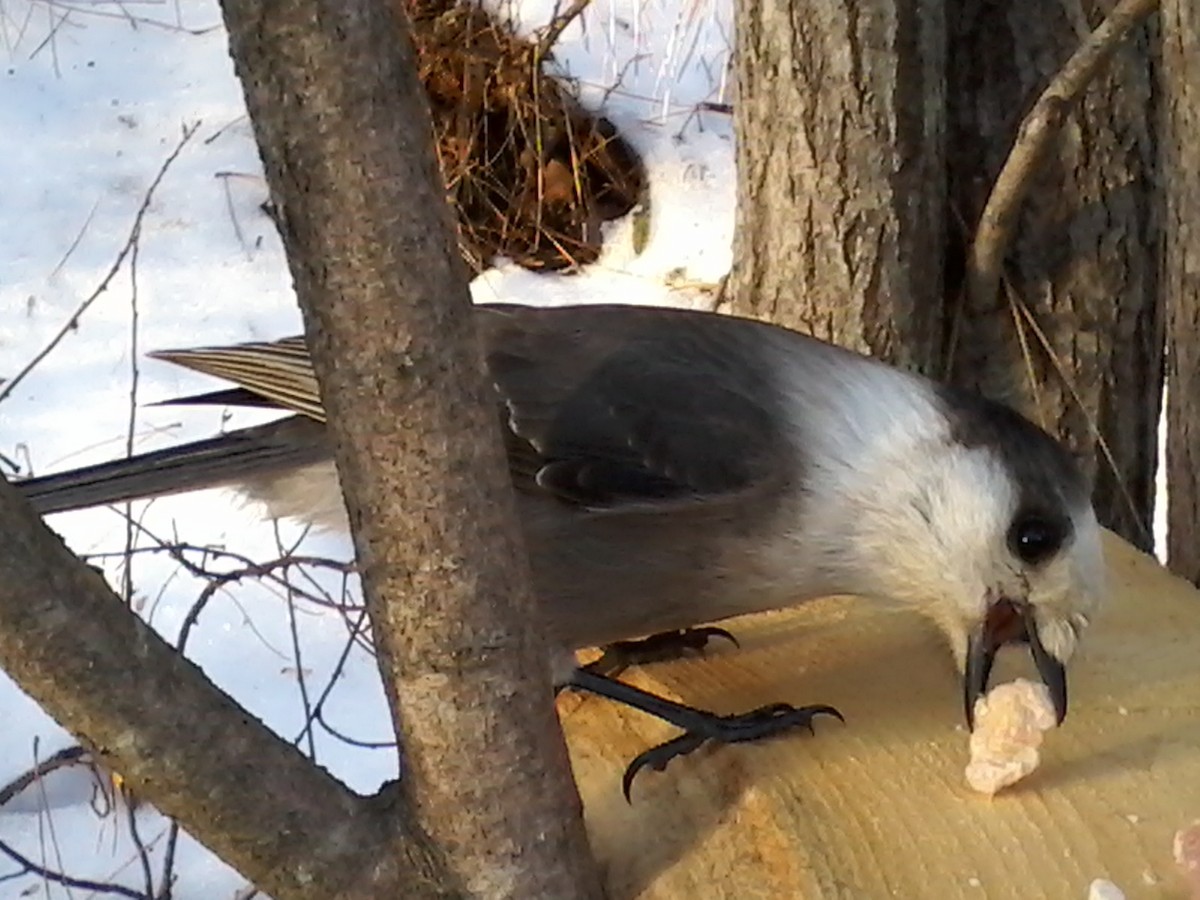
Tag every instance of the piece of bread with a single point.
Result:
(1010, 721)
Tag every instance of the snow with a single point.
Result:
(95, 96)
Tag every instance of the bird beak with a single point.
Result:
(1008, 622)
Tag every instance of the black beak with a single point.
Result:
(1008, 622)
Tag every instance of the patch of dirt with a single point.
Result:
(531, 174)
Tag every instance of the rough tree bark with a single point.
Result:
(143, 710)
(1181, 172)
(840, 116)
(345, 133)
(1084, 263)
(866, 151)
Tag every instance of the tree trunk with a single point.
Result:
(840, 117)
(346, 137)
(1084, 263)
(1181, 174)
(865, 156)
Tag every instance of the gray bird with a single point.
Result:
(675, 468)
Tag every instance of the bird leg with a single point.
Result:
(661, 647)
(698, 725)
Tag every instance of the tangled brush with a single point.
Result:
(529, 172)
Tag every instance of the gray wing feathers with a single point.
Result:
(637, 406)
(604, 407)
(278, 371)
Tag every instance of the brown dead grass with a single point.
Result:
(530, 173)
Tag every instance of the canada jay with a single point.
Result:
(675, 468)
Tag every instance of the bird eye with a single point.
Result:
(1034, 538)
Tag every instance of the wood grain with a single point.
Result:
(879, 807)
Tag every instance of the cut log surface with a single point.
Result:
(879, 807)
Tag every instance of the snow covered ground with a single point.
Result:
(95, 97)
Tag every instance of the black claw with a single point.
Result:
(661, 647)
(657, 757)
(766, 721)
(708, 633)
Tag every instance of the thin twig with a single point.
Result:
(95, 10)
(78, 239)
(232, 210)
(1027, 357)
(134, 232)
(1093, 425)
(556, 27)
(220, 131)
(29, 867)
(168, 873)
(142, 850)
(251, 568)
(65, 757)
(51, 39)
(268, 571)
(131, 431)
(1034, 140)
(294, 629)
(355, 629)
(353, 742)
(193, 617)
(48, 817)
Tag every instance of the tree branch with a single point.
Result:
(28, 866)
(345, 133)
(68, 756)
(556, 27)
(1034, 141)
(147, 712)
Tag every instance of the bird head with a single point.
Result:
(984, 522)
(1035, 583)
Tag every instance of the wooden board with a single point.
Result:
(878, 807)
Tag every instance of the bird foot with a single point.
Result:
(766, 721)
(661, 647)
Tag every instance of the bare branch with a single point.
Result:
(143, 851)
(354, 629)
(142, 710)
(1034, 141)
(294, 631)
(68, 756)
(168, 869)
(556, 27)
(319, 717)
(28, 866)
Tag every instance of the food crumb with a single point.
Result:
(1103, 889)
(1133, 818)
(1009, 724)
(1187, 855)
(1122, 711)
(974, 882)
